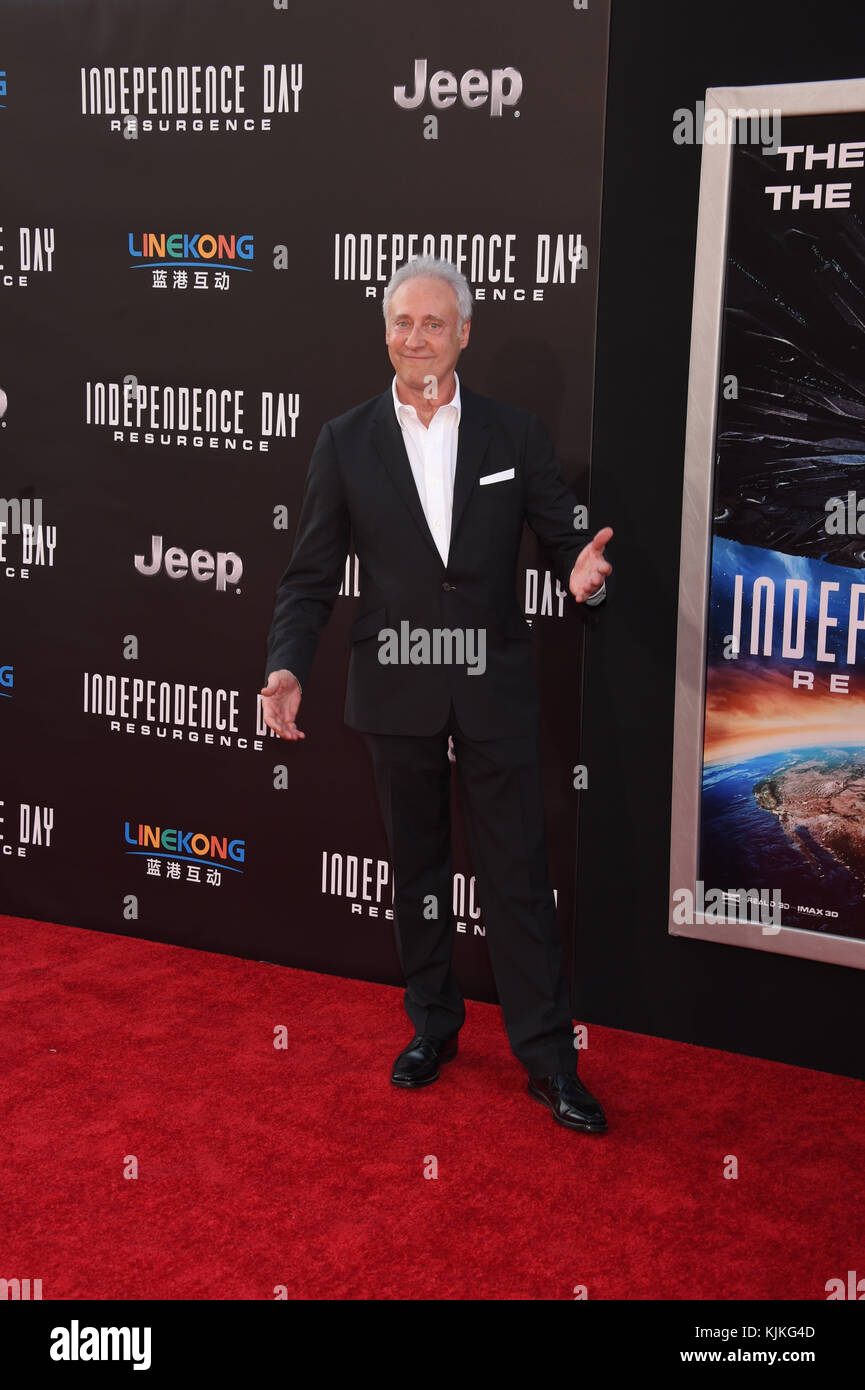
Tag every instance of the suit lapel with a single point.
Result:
(388, 440)
(474, 438)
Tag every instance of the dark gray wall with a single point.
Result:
(630, 973)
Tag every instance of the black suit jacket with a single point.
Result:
(360, 491)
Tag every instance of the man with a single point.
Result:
(433, 484)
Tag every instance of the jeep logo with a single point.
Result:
(502, 88)
(225, 568)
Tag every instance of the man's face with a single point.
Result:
(423, 335)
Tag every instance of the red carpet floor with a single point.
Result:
(304, 1168)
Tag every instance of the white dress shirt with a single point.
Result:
(432, 453)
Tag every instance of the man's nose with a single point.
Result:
(415, 337)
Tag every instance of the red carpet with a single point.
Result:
(304, 1167)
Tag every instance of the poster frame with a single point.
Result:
(787, 99)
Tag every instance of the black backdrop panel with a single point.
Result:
(150, 251)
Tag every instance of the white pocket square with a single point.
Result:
(497, 477)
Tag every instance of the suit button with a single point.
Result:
(448, 588)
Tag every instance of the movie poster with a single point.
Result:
(778, 841)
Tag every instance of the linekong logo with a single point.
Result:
(194, 847)
(185, 248)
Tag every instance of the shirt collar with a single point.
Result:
(399, 405)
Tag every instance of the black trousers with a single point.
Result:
(502, 801)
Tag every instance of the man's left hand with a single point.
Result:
(590, 568)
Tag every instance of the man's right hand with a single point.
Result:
(280, 702)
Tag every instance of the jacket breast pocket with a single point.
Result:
(504, 475)
(367, 625)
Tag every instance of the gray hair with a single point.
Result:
(438, 270)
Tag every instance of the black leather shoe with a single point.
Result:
(418, 1064)
(572, 1105)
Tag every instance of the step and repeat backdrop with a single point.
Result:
(201, 205)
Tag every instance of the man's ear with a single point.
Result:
(464, 333)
